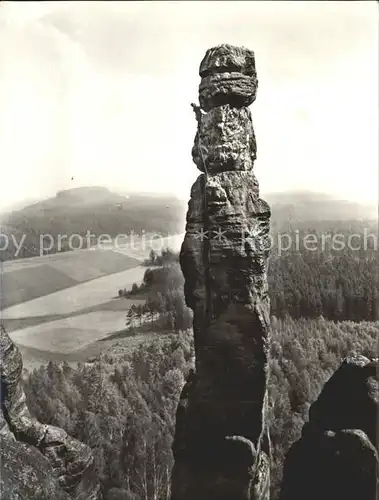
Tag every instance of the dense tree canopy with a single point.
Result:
(125, 410)
(305, 280)
(324, 308)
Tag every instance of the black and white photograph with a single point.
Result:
(189, 265)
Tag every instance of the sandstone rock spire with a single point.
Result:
(221, 446)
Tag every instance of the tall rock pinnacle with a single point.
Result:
(221, 446)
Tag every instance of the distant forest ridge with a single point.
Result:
(94, 210)
(100, 211)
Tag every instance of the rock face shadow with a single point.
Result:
(337, 454)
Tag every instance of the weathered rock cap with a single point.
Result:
(228, 77)
(227, 58)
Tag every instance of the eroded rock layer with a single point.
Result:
(221, 446)
(63, 467)
(337, 455)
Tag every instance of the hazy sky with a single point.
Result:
(101, 91)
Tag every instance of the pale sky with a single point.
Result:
(101, 91)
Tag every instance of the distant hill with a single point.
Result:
(17, 205)
(94, 209)
(93, 196)
(102, 211)
(304, 206)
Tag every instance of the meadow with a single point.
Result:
(50, 274)
(70, 300)
(70, 334)
(124, 345)
(24, 280)
(58, 307)
(62, 325)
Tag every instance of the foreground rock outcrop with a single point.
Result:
(337, 454)
(37, 461)
(26, 474)
(221, 446)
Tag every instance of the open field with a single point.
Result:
(24, 280)
(70, 334)
(68, 325)
(45, 275)
(65, 306)
(82, 296)
(115, 304)
(78, 336)
(97, 258)
(34, 358)
(26, 284)
(142, 246)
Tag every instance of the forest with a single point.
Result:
(125, 410)
(323, 309)
(338, 284)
